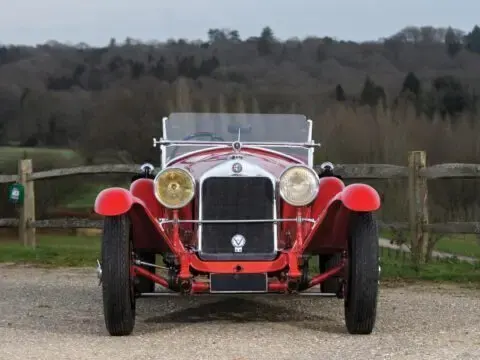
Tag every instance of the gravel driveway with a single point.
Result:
(53, 314)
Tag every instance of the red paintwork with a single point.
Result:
(227, 267)
(137, 270)
(328, 233)
(318, 279)
(200, 162)
(143, 190)
(113, 201)
(360, 197)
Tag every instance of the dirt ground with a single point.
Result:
(57, 314)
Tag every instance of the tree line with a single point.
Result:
(53, 94)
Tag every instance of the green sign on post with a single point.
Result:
(16, 193)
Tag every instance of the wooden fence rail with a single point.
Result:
(416, 172)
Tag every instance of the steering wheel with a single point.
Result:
(212, 136)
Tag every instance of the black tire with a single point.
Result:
(334, 283)
(117, 283)
(144, 285)
(362, 271)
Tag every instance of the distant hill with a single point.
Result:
(65, 96)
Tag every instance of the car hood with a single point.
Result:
(198, 163)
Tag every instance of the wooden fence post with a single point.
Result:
(27, 233)
(418, 206)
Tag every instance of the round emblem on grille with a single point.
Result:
(238, 242)
(237, 167)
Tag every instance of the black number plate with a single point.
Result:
(238, 283)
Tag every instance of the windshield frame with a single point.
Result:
(164, 142)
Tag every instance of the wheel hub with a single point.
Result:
(99, 272)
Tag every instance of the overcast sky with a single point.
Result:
(96, 21)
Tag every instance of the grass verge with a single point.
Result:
(458, 244)
(53, 251)
(68, 251)
(396, 265)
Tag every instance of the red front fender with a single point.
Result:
(329, 233)
(360, 197)
(113, 201)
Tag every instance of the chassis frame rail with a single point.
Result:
(198, 287)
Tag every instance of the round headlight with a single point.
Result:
(174, 187)
(299, 185)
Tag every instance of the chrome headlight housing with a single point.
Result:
(299, 185)
(174, 187)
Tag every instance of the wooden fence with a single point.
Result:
(416, 172)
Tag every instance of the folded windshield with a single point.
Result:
(214, 127)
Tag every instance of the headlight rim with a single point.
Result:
(190, 176)
(312, 171)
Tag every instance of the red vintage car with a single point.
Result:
(237, 207)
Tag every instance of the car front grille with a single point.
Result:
(237, 198)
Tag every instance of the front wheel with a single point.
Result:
(117, 282)
(362, 274)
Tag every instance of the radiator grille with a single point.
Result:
(242, 198)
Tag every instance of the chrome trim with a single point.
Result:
(99, 272)
(192, 179)
(163, 141)
(163, 149)
(310, 150)
(140, 263)
(225, 170)
(305, 167)
(170, 221)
